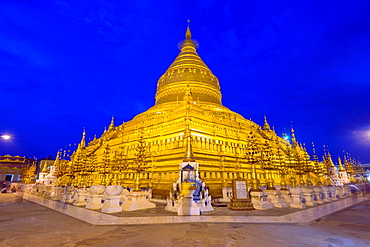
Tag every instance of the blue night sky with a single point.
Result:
(66, 65)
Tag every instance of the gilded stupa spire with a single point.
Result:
(188, 69)
(294, 140)
(188, 32)
(189, 156)
(83, 140)
(266, 125)
(57, 158)
(111, 126)
(329, 159)
(341, 167)
(315, 157)
(44, 168)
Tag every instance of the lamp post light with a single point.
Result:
(6, 137)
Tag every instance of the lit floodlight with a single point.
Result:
(6, 137)
(286, 138)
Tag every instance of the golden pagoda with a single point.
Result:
(149, 148)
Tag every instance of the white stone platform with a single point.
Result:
(305, 216)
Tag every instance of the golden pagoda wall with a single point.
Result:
(219, 141)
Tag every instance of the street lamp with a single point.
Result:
(6, 137)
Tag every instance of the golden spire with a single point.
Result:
(266, 126)
(294, 140)
(57, 158)
(188, 33)
(329, 160)
(111, 126)
(315, 157)
(58, 155)
(44, 169)
(189, 156)
(83, 141)
(188, 69)
(341, 167)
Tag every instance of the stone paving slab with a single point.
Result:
(304, 216)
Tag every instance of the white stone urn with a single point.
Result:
(113, 190)
(97, 189)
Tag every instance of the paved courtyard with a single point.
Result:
(24, 223)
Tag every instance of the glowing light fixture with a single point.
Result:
(6, 137)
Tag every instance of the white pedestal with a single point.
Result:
(227, 194)
(81, 197)
(58, 193)
(308, 195)
(275, 198)
(94, 202)
(341, 193)
(111, 204)
(47, 191)
(40, 190)
(326, 192)
(205, 204)
(259, 200)
(34, 189)
(137, 200)
(318, 195)
(68, 194)
(347, 191)
(188, 207)
(297, 198)
(333, 193)
(172, 204)
(286, 195)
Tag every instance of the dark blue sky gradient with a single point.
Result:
(66, 65)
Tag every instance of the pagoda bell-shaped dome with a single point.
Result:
(188, 71)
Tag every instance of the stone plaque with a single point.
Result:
(240, 200)
(240, 189)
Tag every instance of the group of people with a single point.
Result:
(6, 187)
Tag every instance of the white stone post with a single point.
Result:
(96, 194)
(274, 196)
(40, 190)
(333, 193)
(57, 194)
(347, 191)
(326, 193)
(297, 198)
(286, 195)
(308, 195)
(341, 193)
(259, 200)
(319, 196)
(47, 191)
(68, 194)
(112, 200)
(81, 197)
